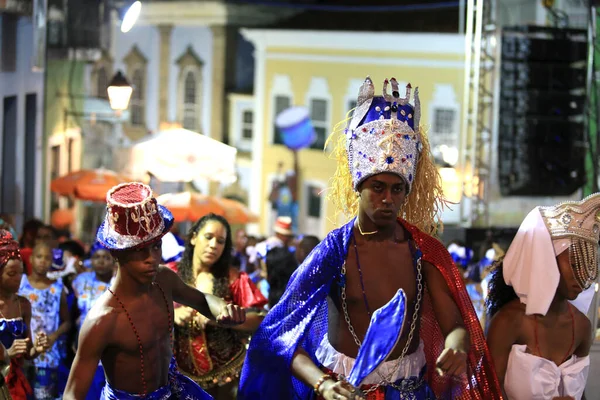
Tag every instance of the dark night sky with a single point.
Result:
(330, 15)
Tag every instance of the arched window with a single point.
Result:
(318, 100)
(190, 91)
(190, 112)
(137, 98)
(101, 83)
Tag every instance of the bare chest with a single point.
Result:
(375, 273)
(554, 341)
(146, 324)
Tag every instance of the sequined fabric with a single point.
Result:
(414, 388)
(211, 357)
(300, 319)
(9, 248)
(214, 356)
(381, 136)
(179, 387)
(133, 218)
(16, 381)
(112, 240)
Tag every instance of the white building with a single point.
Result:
(21, 120)
(181, 58)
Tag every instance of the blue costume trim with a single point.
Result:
(414, 388)
(179, 387)
(299, 319)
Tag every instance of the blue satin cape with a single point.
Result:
(299, 319)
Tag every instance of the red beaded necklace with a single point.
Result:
(137, 335)
(537, 344)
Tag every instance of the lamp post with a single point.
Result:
(119, 92)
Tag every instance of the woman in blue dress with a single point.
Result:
(15, 316)
(88, 287)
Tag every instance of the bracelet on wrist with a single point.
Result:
(320, 382)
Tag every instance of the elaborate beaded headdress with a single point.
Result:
(384, 135)
(578, 222)
(133, 218)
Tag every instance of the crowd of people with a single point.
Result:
(215, 314)
(55, 281)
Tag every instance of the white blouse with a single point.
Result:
(529, 377)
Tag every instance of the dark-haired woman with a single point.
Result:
(539, 295)
(210, 354)
(281, 264)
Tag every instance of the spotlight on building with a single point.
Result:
(131, 16)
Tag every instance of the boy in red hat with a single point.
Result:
(130, 327)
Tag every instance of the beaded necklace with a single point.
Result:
(137, 335)
(537, 344)
(362, 284)
(417, 256)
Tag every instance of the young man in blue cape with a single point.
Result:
(307, 344)
(130, 327)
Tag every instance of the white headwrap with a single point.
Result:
(530, 266)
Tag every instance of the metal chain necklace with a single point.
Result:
(386, 381)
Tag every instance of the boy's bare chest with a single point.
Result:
(146, 324)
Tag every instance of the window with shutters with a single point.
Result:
(247, 120)
(320, 120)
(136, 104)
(190, 110)
(281, 103)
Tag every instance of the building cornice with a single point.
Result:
(439, 43)
(208, 13)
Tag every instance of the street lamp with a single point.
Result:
(119, 92)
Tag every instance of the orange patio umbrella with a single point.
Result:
(87, 184)
(62, 218)
(238, 213)
(189, 206)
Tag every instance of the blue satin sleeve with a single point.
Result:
(299, 319)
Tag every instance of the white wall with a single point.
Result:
(20, 83)
(200, 38)
(147, 39)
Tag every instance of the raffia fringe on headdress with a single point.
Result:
(423, 205)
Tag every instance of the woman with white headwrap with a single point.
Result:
(540, 293)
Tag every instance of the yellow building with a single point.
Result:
(323, 70)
